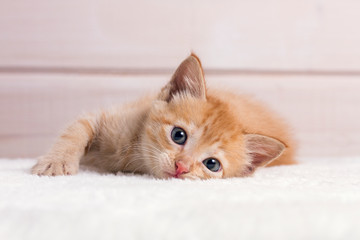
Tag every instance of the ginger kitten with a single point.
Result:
(186, 131)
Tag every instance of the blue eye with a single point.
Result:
(178, 135)
(212, 164)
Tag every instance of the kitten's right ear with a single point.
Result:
(261, 150)
(189, 78)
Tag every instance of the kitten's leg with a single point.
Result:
(64, 157)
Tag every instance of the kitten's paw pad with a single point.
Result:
(54, 168)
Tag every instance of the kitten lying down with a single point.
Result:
(186, 131)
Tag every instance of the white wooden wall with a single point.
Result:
(60, 57)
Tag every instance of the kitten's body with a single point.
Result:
(238, 131)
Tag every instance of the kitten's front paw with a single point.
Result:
(49, 167)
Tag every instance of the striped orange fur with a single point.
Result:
(227, 135)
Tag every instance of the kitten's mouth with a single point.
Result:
(173, 175)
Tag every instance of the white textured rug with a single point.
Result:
(317, 199)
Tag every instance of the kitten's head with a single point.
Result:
(189, 134)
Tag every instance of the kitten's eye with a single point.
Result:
(212, 164)
(178, 135)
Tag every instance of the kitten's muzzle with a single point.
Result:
(181, 168)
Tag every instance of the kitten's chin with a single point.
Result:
(168, 175)
(162, 174)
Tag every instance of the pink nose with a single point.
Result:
(180, 168)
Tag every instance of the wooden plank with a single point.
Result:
(323, 110)
(274, 34)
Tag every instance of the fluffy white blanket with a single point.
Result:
(317, 199)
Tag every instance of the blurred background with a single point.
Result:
(59, 58)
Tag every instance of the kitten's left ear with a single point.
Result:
(189, 78)
(262, 150)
